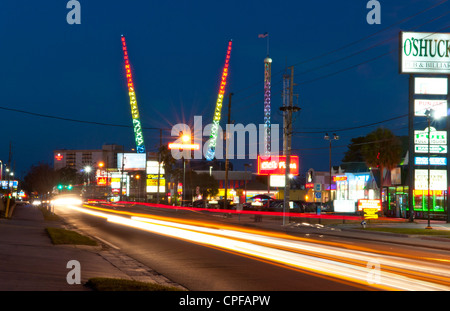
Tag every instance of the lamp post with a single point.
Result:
(330, 139)
(428, 113)
(245, 181)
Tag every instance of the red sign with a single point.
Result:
(309, 185)
(277, 165)
(339, 178)
(102, 181)
(58, 157)
(363, 204)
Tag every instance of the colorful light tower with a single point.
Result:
(267, 95)
(217, 113)
(139, 136)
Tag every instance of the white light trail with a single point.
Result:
(350, 265)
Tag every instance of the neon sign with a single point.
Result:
(184, 146)
(277, 166)
(369, 204)
(339, 178)
(139, 137)
(216, 120)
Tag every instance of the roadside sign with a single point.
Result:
(433, 148)
(318, 195)
(317, 187)
(370, 213)
(437, 137)
(365, 204)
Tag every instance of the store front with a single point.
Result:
(351, 187)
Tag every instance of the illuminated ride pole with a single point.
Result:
(139, 137)
(267, 105)
(216, 120)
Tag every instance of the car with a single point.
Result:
(199, 204)
(277, 206)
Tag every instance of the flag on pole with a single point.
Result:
(263, 35)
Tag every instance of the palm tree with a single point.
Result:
(382, 150)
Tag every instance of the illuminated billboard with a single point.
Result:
(363, 204)
(424, 52)
(277, 165)
(422, 105)
(430, 86)
(152, 167)
(131, 161)
(437, 137)
(278, 181)
(433, 161)
(152, 183)
(438, 179)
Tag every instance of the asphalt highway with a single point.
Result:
(204, 255)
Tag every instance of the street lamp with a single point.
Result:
(138, 178)
(245, 179)
(88, 169)
(430, 113)
(335, 137)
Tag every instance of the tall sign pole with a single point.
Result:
(425, 56)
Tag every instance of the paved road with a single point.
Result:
(198, 267)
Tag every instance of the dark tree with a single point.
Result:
(41, 178)
(382, 150)
(354, 152)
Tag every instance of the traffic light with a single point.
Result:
(62, 187)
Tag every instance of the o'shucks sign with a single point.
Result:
(425, 52)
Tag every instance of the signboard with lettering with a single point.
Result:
(437, 137)
(422, 105)
(433, 161)
(424, 52)
(433, 148)
(370, 213)
(373, 204)
(277, 165)
(438, 179)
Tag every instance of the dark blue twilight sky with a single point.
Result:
(177, 50)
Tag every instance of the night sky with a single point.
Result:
(54, 74)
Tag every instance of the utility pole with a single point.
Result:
(159, 165)
(288, 109)
(225, 203)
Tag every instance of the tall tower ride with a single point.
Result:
(139, 137)
(217, 112)
(267, 104)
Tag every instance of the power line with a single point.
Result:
(74, 120)
(354, 127)
(354, 42)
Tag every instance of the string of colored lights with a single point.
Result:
(267, 108)
(139, 137)
(216, 120)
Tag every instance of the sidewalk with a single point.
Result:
(30, 262)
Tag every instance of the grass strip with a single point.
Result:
(48, 215)
(63, 236)
(412, 231)
(112, 284)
